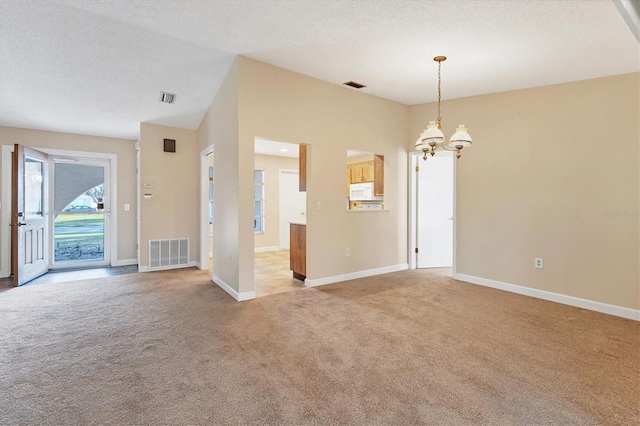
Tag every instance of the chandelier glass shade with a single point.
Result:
(432, 138)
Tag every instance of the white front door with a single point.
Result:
(435, 212)
(293, 204)
(29, 214)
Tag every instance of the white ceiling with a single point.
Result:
(279, 149)
(98, 66)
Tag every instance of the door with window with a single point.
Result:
(29, 218)
(81, 213)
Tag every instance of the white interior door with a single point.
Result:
(293, 204)
(435, 212)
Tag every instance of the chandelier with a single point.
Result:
(432, 138)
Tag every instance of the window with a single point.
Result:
(258, 200)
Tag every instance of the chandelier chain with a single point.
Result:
(439, 93)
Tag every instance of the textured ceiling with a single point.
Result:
(97, 67)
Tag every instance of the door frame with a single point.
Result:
(5, 238)
(415, 159)
(204, 208)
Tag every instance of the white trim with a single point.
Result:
(138, 198)
(240, 297)
(5, 213)
(124, 262)
(413, 211)
(263, 249)
(605, 308)
(204, 207)
(355, 275)
(113, 178)
(455, 214)
(164, 268)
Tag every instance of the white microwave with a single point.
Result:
(362, 192)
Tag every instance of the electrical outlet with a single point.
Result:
(538, 263)
(347, 252)
(127, 207)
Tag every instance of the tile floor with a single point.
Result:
(272, 274)
(75, 275)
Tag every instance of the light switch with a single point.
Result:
(127, 207)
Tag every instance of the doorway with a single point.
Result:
(108, 226)
(432, 210)
(278, 202)
(81, 213)
(206, 209)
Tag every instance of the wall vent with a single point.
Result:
(167, 98)
(354, 84)
(166, 254)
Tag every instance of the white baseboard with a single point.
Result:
(355, 275)
(165, 268)
(263, 249)
(240, 297)
(124, 262)
(605, 308)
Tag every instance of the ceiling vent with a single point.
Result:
(167, 98)
(354, 84)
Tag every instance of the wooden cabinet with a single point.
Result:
(378, 175)
(298, 250)
(367, 171)
(348, 180)
(302, 168)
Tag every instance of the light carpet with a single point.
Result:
(403, 348)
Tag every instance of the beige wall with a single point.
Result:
(173, 210)
(126, 154)
(219, 128)
(545, 166)
(271, 165)
(278, 104)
